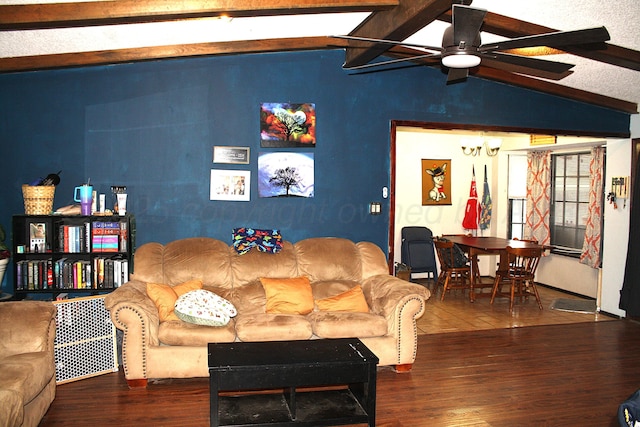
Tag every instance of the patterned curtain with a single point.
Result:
(591, 247)
(538, 197)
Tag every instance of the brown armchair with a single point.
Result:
(27, 366)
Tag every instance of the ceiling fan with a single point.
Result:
(462, 49)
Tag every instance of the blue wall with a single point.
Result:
(151, 126)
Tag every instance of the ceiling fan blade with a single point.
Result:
(516, 69)
(366, 39)
(557, 39)
(455, 74)
(394, 61)
(529, 62)
(466, 23)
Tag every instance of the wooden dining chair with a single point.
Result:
(452, 275)
(532, 240)
(520, 275)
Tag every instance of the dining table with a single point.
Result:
(486, 245)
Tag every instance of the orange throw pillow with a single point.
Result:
(288, 296)
(352, 300)
(165, 296)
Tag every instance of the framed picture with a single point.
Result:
(38, 237)
(436, 182)
(234, 155)
(286, 174)
(287, 125)
(233, 185)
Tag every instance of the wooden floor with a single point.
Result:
(456, 313)
(476, 366)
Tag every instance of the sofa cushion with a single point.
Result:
(250, 298)
(250, 267)
(196, 258)
(288, 295)
(165, 296)
(189, 334)
(351, 300)
(334, 324)
(272, 327)
(328, 258)
(202, 307)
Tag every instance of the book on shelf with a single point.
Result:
(106, 236)
(110, 272)
(34, 274)
(74, 238)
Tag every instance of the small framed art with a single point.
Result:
(38, 237)
(436, 182)
(233, 185)
(234, 155)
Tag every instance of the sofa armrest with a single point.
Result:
(396, 300)
(133, 312)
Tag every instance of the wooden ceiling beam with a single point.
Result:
(56, 15)
(556, 89)
(106, 57)
(398, 23)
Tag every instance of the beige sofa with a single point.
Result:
(27, 367)
(176, 349)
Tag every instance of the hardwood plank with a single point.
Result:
(574, 373)
(53, 15)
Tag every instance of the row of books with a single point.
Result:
(96, 236)
(101, 273)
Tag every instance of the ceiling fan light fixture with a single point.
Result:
(460, 60)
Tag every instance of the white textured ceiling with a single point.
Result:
(621, 17)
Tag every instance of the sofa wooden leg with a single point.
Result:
(401, 369)
(137, 383)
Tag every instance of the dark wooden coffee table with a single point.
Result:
(275, 371)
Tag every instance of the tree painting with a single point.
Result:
(286, 174)
(287, 125)
(287, 178)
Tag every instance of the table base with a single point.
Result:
(313, 408)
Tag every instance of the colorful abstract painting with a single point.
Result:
(287, 125)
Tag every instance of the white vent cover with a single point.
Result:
(85, 344)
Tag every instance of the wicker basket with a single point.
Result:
(38, 199)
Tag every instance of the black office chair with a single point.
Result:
(417, 250)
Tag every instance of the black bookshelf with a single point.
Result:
(74, 254)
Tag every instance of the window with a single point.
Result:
(517, 216)
(517, 191)
(569, 200)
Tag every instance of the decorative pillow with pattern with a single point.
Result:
(244, 239)
(203, 307)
